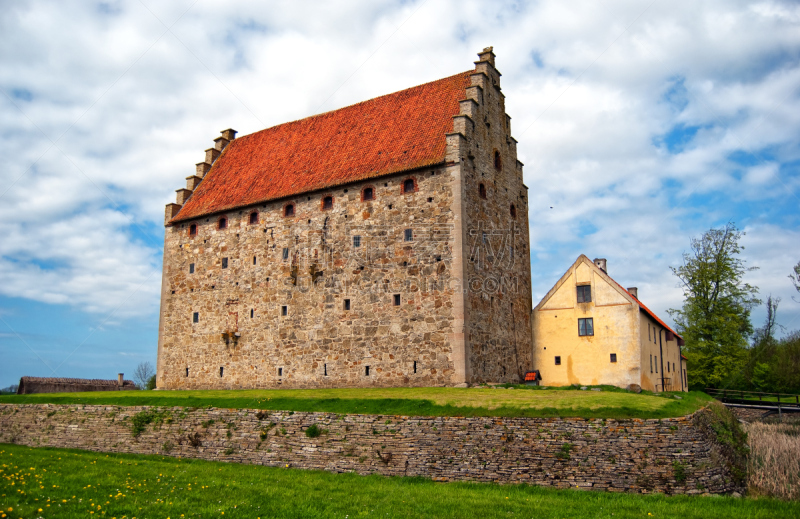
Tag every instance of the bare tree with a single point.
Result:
(143, 372)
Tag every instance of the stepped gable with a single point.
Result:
(389, 134)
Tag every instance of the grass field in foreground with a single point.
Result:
(65, 483)
(611, 402)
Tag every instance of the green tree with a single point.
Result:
(715, 318)
(795, 277)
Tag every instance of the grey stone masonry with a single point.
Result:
(672, 456)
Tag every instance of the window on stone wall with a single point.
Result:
(498, 161)
(366, 370)
(285, 255)
(356, 241)
(558, 360)
(254, 260)
(191, 268)
(224, 263)
(408, 185)
(196, 317)
(223, 223)
(254, 217)
(325, 367)
(367, 194)
(327, 203)
(415, 366)
(221, 371)
(584, 293)
(252, 313)
(288, 210)
(513, 211)
(347, 304)
(193, 230)
(482, 191)
(284, 310)
(408, 235)
(280, 372)
(187, 372)
(397, 300)
(585, 327)
(613, 357)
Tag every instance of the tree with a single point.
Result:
(142, 374)
(715, 318)
(796, 277)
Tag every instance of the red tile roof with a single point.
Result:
(647, 310)
(388, 134)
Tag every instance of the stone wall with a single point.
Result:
(670, 455)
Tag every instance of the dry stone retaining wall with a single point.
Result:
(670, 455)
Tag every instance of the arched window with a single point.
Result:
(482, 191)
(513, 211)
(327, 203)
(288, 210)
(193, 230)
(498, 161)
(367, 194)
(254, 217)
(223, 223)
(408, 185)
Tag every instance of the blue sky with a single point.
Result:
(640, 126)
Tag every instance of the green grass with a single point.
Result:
(67, 483)
(521, 401)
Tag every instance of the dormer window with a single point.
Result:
(482, 191)
(367, 194)
(254, 218)
(288, 210)
(409, 186)
(327, 203)
(223, 223)
(193, 230)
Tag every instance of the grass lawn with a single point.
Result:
(611, 402)
(63, 483)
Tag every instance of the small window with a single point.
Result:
(193, 230)
(254, 260)
(224, 263)
(585, 293)
(613, 357)
(191, 268)
(651, 363)
(284, 310)
(347, 304)
(254, 218)
(325, 367)
(415, 366)
(223, 223)
(252, 313)
(585, 327)
(327, 203)
(668, 367)
(408, 185)
(196, 317)
(221, 371)
(356, 241)
(513, 211)
(366, 370)
(288, 210)
(498, 161)
(367, 194)
(408, 235)
(656, 357)
(285, 254)
(187, 372)
(397, 300)
(280, 372)
(482, 191)
(558, 360)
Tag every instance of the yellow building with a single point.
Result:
(588, 330)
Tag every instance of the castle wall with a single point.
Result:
(306, 266)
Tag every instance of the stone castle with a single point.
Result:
(381, 244)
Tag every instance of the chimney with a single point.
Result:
(633, 291)
(119, 379)
(601, 264)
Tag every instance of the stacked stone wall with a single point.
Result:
(670, 455)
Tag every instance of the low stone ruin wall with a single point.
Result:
(673, 456)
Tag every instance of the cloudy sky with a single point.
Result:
(641, 124)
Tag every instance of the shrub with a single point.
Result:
(679, 470)
(313, 431)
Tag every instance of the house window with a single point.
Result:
(584, 293)
(668, 371)
(656, 357)
(585, 327)
(651, 363)
(558, 360)
(285, 254)
(284, 310)
(367, 194)
(356, 241)
(327, 203)
(191, 268)
(482, 191)
(193, 230)
(613, 357)
(408, 235)
(223, 223)
(254, 217)
(408, 185)
(397, 300)
(196, 317)
(224, 263)
(347, 304)
(513, 211)
(498, 161)
(288, 210)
